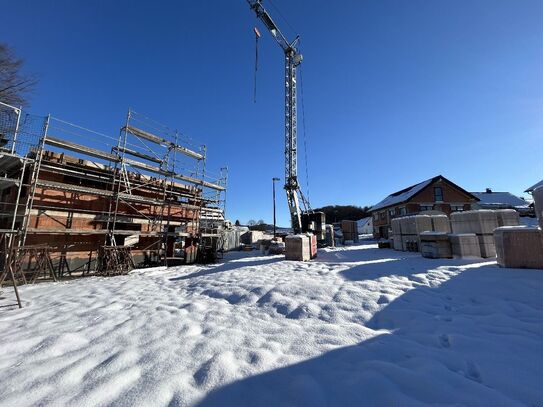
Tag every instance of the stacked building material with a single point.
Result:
(312, 245)
(435, 245)
(519, 247)
(406, 231)
(231, 239)
(350, 230)
(412, 227)
(441, 223)
(330, 241)
(482, 223)
(252, 237)
(297, 247)
(397, 234)
(538, 203)
(465, 244)
(507, 217)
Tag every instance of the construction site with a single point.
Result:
(76, 202)
(142, 198)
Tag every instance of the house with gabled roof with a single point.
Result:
(500, 200)
(437, 194)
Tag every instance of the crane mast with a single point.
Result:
(293, 58)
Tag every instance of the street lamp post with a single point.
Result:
(274, 227)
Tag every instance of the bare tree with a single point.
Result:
(15, 87)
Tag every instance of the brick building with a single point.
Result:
(434, 194)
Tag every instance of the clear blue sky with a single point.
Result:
(395, 91)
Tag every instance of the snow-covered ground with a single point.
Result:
(357, 326)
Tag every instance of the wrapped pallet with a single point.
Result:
(465, 245)
(507, 217)
(435, 245)
(537, 194)
(297, 247)
(330, 241)
(412, 226)
(441, 223)
(312, 245)
(252, 236)
(396, 226)
(396, 234)
(519, 247)
(480, 222)
(487, 245)
(397, 242)
(416, 224)
(350, 230)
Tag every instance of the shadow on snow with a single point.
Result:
(476, 339)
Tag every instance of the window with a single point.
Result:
(426, 207)
(391, 213)
(375, 216)
(403, 211)
(382, 215)
(438, 194)
(457, 208)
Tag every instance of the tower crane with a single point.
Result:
(293, 59)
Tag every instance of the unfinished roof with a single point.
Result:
(531, 189)
(499, 198)
(406, 194)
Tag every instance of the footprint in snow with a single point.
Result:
(472, 371)
(444, 341)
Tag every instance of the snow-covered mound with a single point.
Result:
(357, 326)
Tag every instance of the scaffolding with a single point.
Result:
(144, 191)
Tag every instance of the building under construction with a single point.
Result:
(102, 203)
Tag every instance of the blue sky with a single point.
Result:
(395, 92)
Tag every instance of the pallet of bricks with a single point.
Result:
(522, 247)
(472, 233)
(407, 230)
(476, 228)
(350, 231)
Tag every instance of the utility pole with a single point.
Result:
(274, 225)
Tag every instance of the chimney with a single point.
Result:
(488, 191)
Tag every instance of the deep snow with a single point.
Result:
(357, 326)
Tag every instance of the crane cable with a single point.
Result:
(257, 36)
(304, 134)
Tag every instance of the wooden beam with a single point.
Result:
(162, 141)
(137, 154)
(78, 148)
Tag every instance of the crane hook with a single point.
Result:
(257, 36)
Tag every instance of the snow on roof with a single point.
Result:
(363, 222)
(403, 195)
(499, 198)
(539, 184)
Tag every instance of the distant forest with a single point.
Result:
(336, 213)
